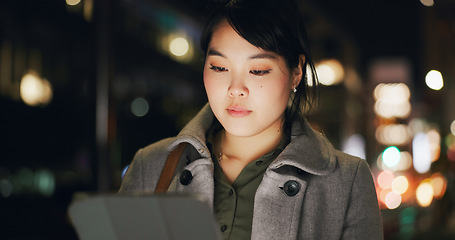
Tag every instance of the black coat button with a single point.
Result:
(291, 188)
(186, 177)
(223, 228)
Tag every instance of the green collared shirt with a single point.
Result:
(233, 204)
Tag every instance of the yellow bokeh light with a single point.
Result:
(73, 2)
(434, 80)
(400, 185)
(392, 100)
(439, 183)
(330, 72)
(179, 46)
(428, 3)
(424, 193)
(435, 144)
(34, 90)
(393, 134)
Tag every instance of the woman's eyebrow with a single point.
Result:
(263, 55)
(213, 52)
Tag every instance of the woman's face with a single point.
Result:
(248, 88)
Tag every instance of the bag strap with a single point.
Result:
(169, 168)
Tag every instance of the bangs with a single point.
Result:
(255, 28)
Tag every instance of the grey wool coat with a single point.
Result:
(335, 198)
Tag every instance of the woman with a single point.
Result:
(251, 154)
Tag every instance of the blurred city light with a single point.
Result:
(424, 193)
(439, 183)
(452, 128)
(392, 100)
(6, 188)
(434, 80)
(421, 153)
(383, 194)
(428, 3)
(139, 107)
(88, 10)
(404, 164)
(330, 72)
(355, 146)
(435, 144)
(392, 200)
(385, 179)
(400, 185)
(417, 125)
(451, 151)
(45, 182)
(391, 156)
(393, 134)
(179, 46)
(34, 90)
(73, 2)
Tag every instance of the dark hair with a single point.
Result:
(272, 25)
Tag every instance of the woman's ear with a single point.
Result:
(298, 71)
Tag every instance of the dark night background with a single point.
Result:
(100, 55)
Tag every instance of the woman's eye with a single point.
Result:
(217, 69)
(260, 72)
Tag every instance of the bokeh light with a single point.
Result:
(392, 100)
(179, 46)
(6, 188)
(139, 107)
(73, 2)
(404, 164)
(434, 80)
(330, 72)
(392, 200)
(385, 179)
(400, 185)
(421, 153)
(424, 193)
(452, 127)
(391, 156)
(439, 183)
(34, 90)
(45, 182)
(428, 3)
(355, 146)
(393, 134)
(435, 144)
(383, 194)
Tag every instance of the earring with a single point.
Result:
(294, 90)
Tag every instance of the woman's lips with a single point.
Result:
(238, 111)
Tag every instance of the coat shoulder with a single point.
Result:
(349, 162)
(145, 169)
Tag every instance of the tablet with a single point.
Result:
(127, 216)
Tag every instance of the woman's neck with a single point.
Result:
(247, 149)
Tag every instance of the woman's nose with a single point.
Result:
(238, 89)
